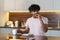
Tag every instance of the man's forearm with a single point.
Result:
(42, 24)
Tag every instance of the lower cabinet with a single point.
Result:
(13, 31)
(53, 33)
(6, 30)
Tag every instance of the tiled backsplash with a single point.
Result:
(53, 17)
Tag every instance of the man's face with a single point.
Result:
(34, 14)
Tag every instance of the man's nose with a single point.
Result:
(35, 12)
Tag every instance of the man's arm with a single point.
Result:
(46, 27)
(43, 26)
(27, 29)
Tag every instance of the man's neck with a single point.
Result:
(34, 17)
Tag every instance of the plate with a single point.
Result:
(25, 34)
(28, 35)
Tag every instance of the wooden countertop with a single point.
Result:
(6, 36)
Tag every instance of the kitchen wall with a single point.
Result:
(4, 16)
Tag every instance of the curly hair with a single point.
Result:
(34, 7)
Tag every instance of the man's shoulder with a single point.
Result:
(29, 18)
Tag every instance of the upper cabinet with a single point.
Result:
(22, 5)
(56, 4)
(1, 5)
(9, 5)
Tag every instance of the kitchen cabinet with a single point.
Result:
(13, 5)
(11, 30)
(6, 30)
(1, 5)
(7, 5)
(53, 33)
(22, 5)
(56, 4)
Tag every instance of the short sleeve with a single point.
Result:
(45, 20)
(27, 23)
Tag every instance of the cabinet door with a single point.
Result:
(53, 33)
(56, 4)
(1, 5)
(9, 5)
(6, 30)
(21, 5)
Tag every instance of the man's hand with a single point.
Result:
(39, 16)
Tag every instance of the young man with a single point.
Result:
(37, 24)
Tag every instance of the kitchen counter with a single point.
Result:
(7, 37)
(8, 27)
(50, 32)
(49, 28)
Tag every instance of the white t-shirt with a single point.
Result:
(34, 25)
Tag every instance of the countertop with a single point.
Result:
(10, 27)
(7, 37)
(49, 28)
(52, 28)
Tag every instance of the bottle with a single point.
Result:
(22, 24)
(16, 23)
